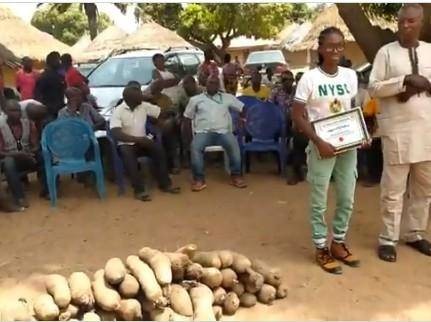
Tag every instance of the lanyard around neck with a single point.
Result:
(212, 98)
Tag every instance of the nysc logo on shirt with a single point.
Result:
(333, 90)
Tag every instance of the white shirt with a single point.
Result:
(23, 105)
(405, 127)
(133, 122)
(325, 94)
(211, 113)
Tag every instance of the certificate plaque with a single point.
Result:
(344, 131)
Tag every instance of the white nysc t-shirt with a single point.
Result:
(324, 94)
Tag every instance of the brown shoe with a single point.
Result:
(327, 262)
(198, 186)
(340, 252)
(237, 181)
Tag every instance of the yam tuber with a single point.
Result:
(229, 278)
(179, 264)
(211, 277)
(167, 314)
(281, 292)
(272, 276)
(57, 286)
(238, 289)
(247, 300)
(226, 258)
(240, 263)
(252, 281)
(188, 250)
(179, 299)
(194, 272)
(129, 287)
(231, 304)
(218, 312)
(147, 280)
(267, 294)
(71, 311)
(91, 317)
(106, 316)
(115, 271)
(80, 290)
(219, 296)
(105, 295)
(45, 308)
(17, 310)
(159, 262)
(207, 259)
(202, 299)
(130, 310)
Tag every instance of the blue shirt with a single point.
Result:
(211, 113)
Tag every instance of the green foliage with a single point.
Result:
(165, 14)
(204, 22)
(387, 11)
(67, 23)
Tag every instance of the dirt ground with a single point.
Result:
(268, 220)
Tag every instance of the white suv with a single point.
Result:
(108, 79)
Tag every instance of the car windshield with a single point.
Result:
(265, 57)
(117, 72)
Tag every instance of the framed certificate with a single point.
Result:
(344, 131)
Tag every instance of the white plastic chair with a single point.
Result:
(216, 148)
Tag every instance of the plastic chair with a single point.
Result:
(66, 144)
(265, 126)
(219, 148)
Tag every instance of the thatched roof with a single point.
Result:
(330, 17)
(22, 39)
(293, 34)
(81, 44)
(153, 36)
(107, 41)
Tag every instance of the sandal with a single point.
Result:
(422, 245)
(387, 253)
(142, 196)
(238, 181)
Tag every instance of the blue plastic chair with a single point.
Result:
(66, 144)
(265, 126)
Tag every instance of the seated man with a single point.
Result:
(169, 126)
(19, 146)
(257, 89)
(76, 107)
(189, 88)
(128, 128)
(212, 123)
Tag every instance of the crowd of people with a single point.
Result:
(191, 114)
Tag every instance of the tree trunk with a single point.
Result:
(426, 31)
(369, 38)
(91, 12)
(218, 52)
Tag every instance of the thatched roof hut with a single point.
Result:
(153, 36)
(81, 44)
(330, 17)
(107, 41)
(22, 39)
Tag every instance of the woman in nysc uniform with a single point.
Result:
(323, 91)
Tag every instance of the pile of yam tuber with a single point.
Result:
(184, 285)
